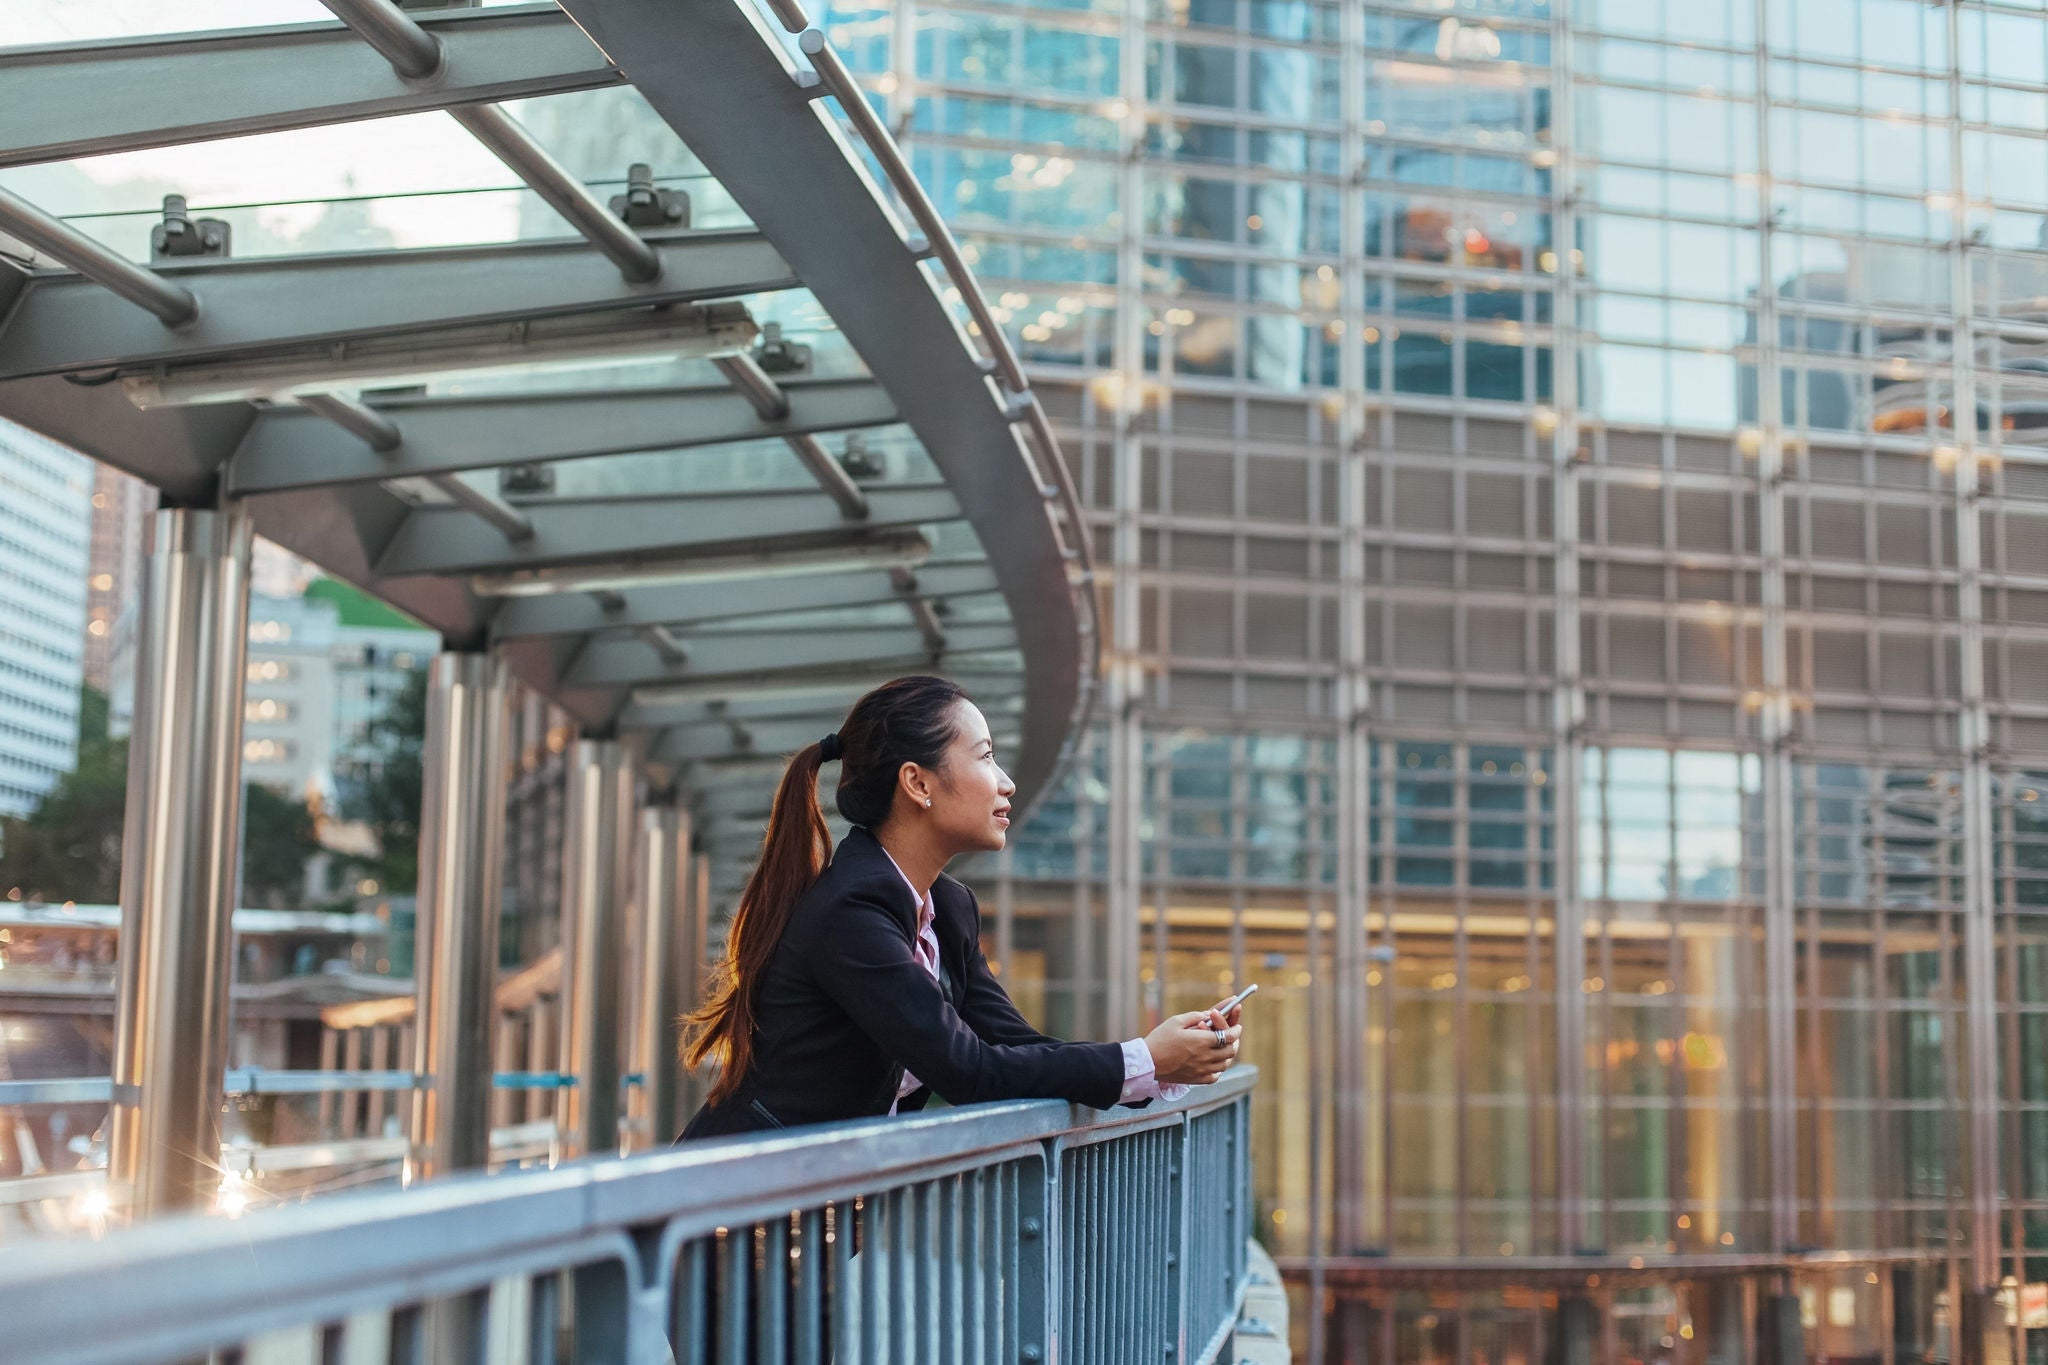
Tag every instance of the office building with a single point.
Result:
(323, 669)
(1466, 598)
(44, 545)
(121, 504)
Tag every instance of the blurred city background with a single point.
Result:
(1562, 474)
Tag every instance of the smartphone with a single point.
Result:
(1233, 1002)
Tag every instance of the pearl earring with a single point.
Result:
(927, 803)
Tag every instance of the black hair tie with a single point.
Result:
(830, 748)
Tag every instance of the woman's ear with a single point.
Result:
(915, 784)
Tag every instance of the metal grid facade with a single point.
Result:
(1569, 472)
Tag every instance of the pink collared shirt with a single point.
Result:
(1141, 1076)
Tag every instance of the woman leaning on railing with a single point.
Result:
(857, 987)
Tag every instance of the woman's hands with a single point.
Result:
(1195, 1048)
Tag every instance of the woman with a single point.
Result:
(860, 989)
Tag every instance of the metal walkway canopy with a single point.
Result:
(702, 444)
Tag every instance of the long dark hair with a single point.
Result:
(909, 720)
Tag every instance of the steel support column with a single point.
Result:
(1980, 810)
(180, 861)
(1781, 975)
(596, 872)
(1568, 698)
(462, 831)
(1124, 668)
(1121, 938)
(667, 965)
(1350, 1091)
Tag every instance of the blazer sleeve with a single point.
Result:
(984, 1004)
(865, 964)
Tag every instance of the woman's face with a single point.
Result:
(970, 792)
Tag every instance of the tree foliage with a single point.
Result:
(388, 797)
(278, 836)
(69, 847)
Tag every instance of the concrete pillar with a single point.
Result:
(597, 861)
(462, 842)
(180, 869)
(667, 964)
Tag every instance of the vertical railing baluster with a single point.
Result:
(1145, 1282)
(998, 1276)
(771, 1294)
(408, 1335)
(944, 1304)
(930, 1270)
(1033, 1212)
(971, 1268)
(1128, 1242)
(1074, 1264)
(846, 1305)
(1235, 1173)
(1115, 1254)
(904, 1283)
(1173, 1221)
(811, 1261)
(1188, 1197)
(1098, 1191)
(1082, 1255)
(952, 1269)
(689, 1329)
(1147, 1174)
(544, 1319)
(874, 1279)
(1087, 1201)
(736, 1267)
(1157, 1285)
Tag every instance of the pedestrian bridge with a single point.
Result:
(1031, 1232)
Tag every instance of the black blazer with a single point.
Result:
(845, 1008)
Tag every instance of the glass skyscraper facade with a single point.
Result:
(1566, 474)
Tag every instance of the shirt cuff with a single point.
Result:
(1141, 1077)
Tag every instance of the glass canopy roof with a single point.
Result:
(625, 367)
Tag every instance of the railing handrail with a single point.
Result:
(194, 1282)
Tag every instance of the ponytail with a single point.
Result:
(793, 853)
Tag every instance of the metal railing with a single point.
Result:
(1021, 1233)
